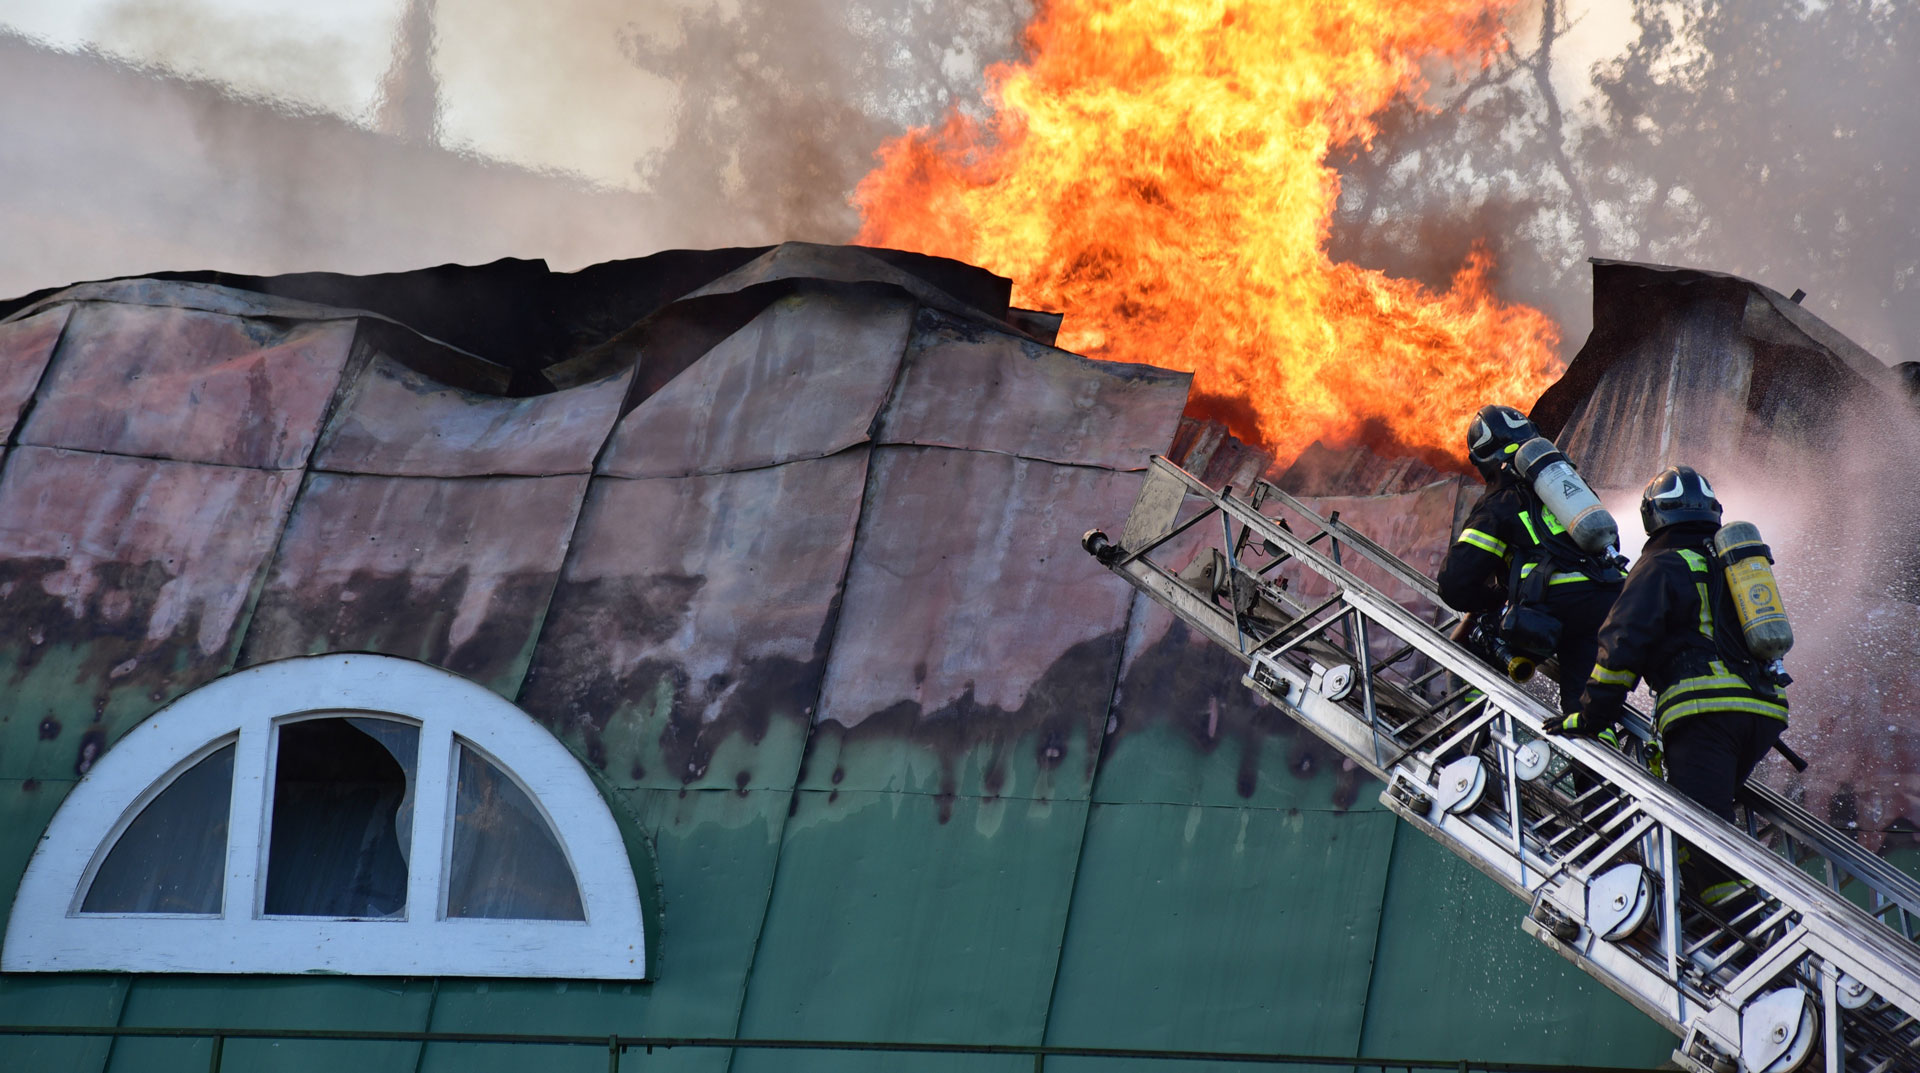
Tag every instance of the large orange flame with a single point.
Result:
(1157, 172)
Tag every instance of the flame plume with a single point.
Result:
(1157, 172)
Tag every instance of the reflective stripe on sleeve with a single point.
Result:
(1486, 542)
(1611, 677)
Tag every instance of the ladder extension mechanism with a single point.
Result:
(1816, 967)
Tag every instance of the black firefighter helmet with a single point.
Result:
(1678, 494)
(1495, 433)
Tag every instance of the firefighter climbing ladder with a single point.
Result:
(1818, 965)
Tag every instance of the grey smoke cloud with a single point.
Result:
(1772, 141)
(733, 123)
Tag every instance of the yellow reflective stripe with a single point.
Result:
(1553, 523)
(1721, 704)
(1486, 542)
(1695, 561)
(1567, 578)
(1526, 519)
(1609, 676)
(1721, 680)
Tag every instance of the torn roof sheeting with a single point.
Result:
(685, 386)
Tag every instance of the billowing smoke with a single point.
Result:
(578, 131)
(1771, 141)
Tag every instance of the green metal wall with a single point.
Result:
(1162, 911)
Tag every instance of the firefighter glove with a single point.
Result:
(1573, 725)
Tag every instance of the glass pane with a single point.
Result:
(173, 857)
(342, 818)
(506, 861)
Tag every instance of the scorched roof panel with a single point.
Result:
(455, 573)
(686, 639)
(166, 382)
(803, 379)
(397, 421)
(127, 583)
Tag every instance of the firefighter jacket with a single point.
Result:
(1663, 628)
(1505, 523)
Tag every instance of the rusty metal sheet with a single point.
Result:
(965, 386)
(123, 583)
(687, 636)
(455, 573)
(189, 385)
(25, 346)
(397, 421)
(804, 378)
(979, 643)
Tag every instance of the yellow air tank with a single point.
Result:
(1756, 595)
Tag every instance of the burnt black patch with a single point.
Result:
(1068, 699)
(1195, 687)
(92, 744)
(104, 635)
(408, 616)
(573, 690)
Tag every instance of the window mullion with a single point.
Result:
(246, 822)
(431, 798)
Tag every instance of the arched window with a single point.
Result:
(346, 813)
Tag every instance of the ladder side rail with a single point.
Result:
(1874, 871)
(1368, 549)
(1331, 722)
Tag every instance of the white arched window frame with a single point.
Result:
(48, 932)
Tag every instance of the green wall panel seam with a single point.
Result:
(1080, 852)
(426, 1024)
(1379, 926)
(119, 1021)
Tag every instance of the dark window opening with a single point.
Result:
(506, 862)
(173, 857)
(342, 818)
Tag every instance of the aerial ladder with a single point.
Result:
(1817, 969)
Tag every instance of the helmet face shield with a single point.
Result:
(1677, 494)
(1493, 434)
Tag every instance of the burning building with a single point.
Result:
(740, 588)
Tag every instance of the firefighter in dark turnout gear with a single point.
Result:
(1512, 550)
(1716, 708)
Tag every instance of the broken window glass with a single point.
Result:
(343, 792)
(506, 862)
(173, 857)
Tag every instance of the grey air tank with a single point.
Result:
(1562, 490)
